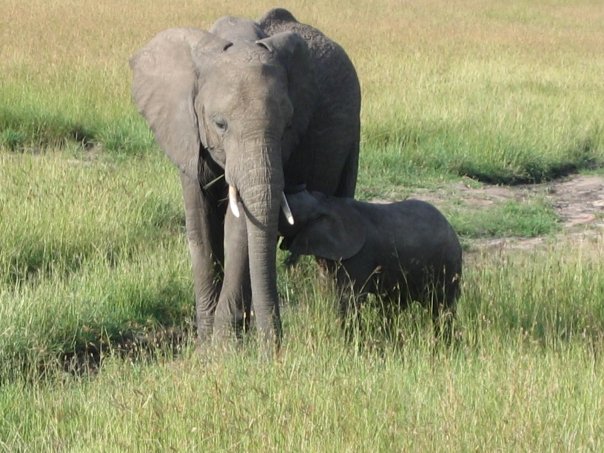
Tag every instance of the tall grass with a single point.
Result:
(72, 322)
(515, 400)
(503, 93)
(523, 376)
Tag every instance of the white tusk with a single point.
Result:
(286, 210)
(233, 201)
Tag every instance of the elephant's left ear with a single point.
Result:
(292, 52)
(164, 86)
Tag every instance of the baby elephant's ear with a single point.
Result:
(338, 234)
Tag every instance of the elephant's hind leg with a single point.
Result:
(348, 178)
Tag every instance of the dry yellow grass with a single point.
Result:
(58, 44)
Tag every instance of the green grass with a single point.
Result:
(58, 209)
(93, 251)
(520, 135)
(103, 306)
(512, 218)
(27, 126)
(94, 263)
(466, 90)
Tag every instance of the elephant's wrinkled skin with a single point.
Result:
(268, 105)
(403, 251)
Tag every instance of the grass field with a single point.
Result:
(94, 262)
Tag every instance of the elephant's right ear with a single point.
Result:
(338, 234)
(164, 87)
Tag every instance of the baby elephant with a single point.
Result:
(404, 251)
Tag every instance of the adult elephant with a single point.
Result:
(270, 105)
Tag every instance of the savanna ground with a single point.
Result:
(493, 111)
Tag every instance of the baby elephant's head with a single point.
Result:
(326, 227)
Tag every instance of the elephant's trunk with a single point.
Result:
(261, 187)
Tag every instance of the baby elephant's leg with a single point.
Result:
(350, 297)
(443, 311)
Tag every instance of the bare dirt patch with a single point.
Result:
(578, 201)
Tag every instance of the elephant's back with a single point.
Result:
(326, 53)
(330, 145)
(279, 20)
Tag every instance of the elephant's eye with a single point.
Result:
(220, 123)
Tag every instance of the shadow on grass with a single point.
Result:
(87, 357)
(144, 345)
(43, 129)
(585, 156)
(28, 129)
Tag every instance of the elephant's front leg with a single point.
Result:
(204, 233)
(234, 305)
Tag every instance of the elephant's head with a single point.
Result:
(326, 227)
(242, 104)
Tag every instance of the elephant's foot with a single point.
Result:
(231, 321)
(205, 327)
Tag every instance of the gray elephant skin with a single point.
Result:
(245, 111)
(404, 251)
